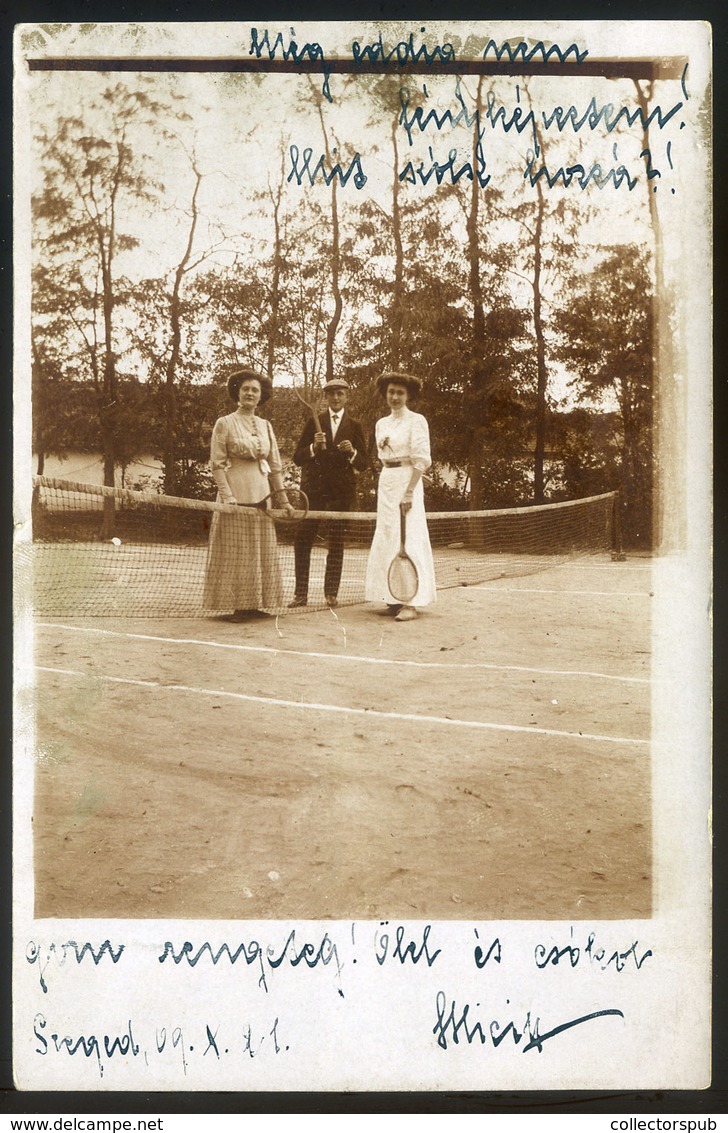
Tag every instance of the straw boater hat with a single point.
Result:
(237, 378)
(412, 384)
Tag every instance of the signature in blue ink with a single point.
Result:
(302, 168)
(405, 52)
(493, 114)
(607, 115)
(423, 118)
(91, 1046)
(402, 52)
(441, 170)
(34, 954)
(311, 955)
(455, 1025)
(260, 43)
(204, 1042)
(592, 953)
(404, 947)
(577, 173)
(522, 53)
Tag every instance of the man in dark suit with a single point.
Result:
(329, 461)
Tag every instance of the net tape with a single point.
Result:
(114, 551)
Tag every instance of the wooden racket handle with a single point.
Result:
(311, 408)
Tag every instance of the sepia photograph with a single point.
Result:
(361, 405)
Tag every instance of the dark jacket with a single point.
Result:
(329, 478)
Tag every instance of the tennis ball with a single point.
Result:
(116, 542)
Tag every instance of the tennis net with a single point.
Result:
(110, 551)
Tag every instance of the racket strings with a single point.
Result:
(402, 579)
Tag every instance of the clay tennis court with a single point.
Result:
(489, 760)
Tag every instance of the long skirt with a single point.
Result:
(385, 545)
(243, 571)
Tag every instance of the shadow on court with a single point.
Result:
(489, 760)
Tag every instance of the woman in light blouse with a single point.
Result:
(243, 572)
(403, 447)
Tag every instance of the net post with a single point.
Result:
(618, 555)
(108, 523)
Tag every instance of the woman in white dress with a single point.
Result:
(403, 447)
(243, 573)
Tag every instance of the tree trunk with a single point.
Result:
(668, 395)
(476, 291)
(108, 408)
(475, 462)
(170, 408)
(395, 351)
(541, 372)
(275, 288)
(109, 521)
(475, 469)
(39, 407)
(175, 314)
(541, 368)
(335, 319)
(333, 325)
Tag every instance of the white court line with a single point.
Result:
(621, 567)
(375, 713)
(567, 593)
(491, 666)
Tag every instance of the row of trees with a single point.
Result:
(492, 303)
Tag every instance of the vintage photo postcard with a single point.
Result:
(362, 556)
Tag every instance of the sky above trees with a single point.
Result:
(184, 223)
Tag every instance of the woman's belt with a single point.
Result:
(397, 463)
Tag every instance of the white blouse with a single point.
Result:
(404, 435)
(243, 446)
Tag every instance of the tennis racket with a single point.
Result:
(402, 578)
(311, 406)
(294, 513)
